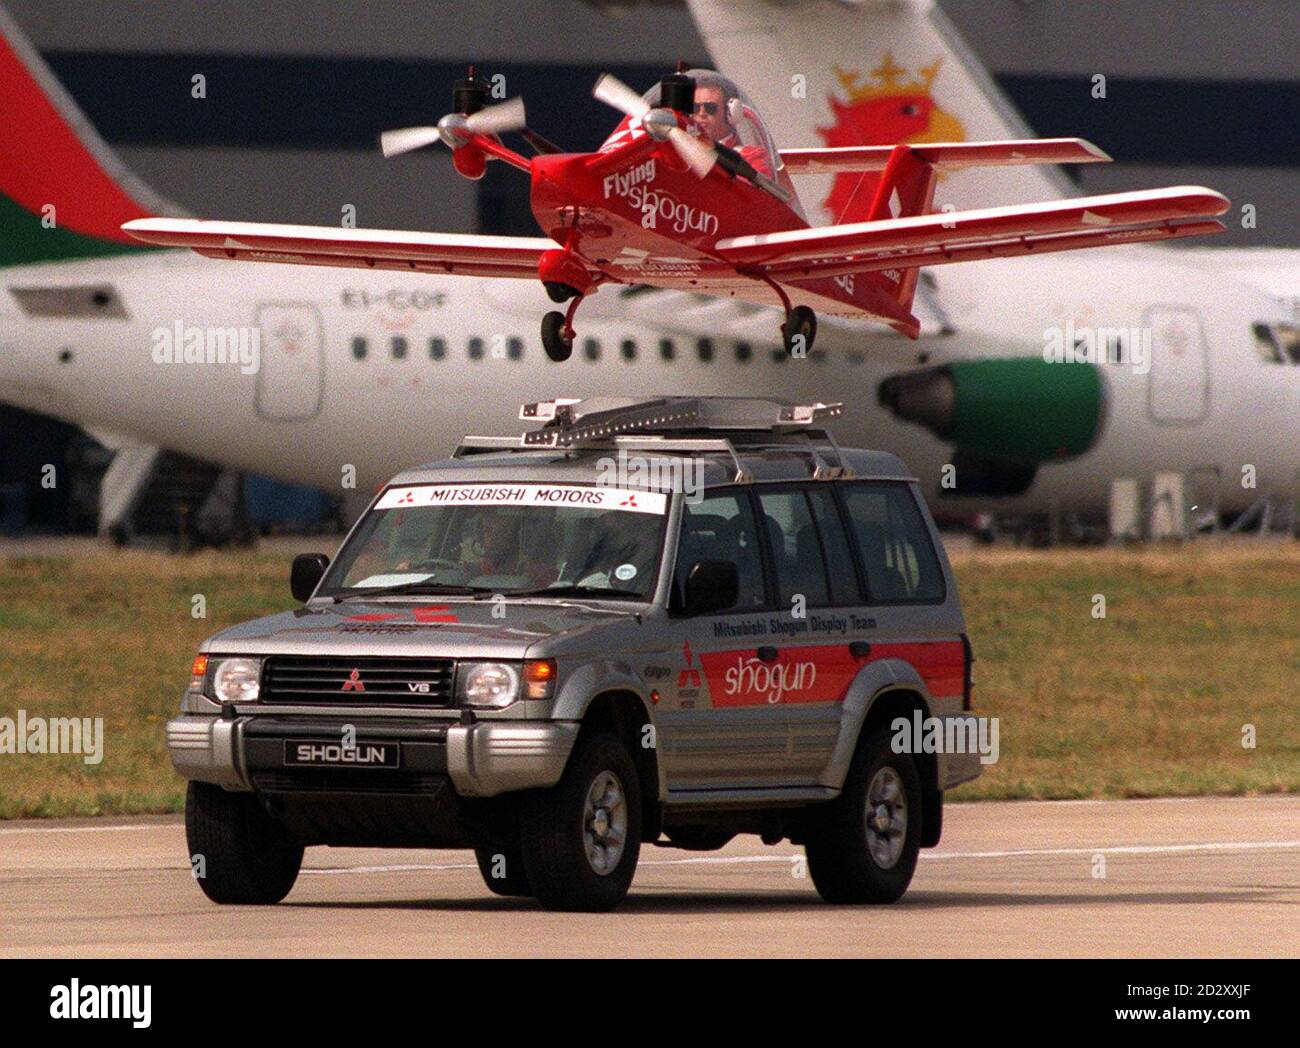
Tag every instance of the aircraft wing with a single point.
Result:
(960, 236)
(454, 253)
(946, 156)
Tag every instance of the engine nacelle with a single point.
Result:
(470, 161)
(1019, 409)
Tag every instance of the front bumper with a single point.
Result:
(481, 759)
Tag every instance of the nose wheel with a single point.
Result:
(558, 345)
(799, 330)
(557, 331)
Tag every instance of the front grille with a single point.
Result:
(345, 780)
(360, 681)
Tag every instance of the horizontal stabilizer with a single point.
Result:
(946, 156)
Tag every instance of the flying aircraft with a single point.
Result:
(365, 371)
(689, 193)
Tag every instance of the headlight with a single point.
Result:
(494, 684)
(237, 680)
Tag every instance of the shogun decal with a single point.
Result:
(770, 680)
(679, 217)
(823, 672)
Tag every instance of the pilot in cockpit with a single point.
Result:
(718, 108)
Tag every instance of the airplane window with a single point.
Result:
(476, 349)
(591, 348)
(398, 347)
(515, 348)
(359, 348)
(1267, 345)
(1290, 336)
(705, 349)
(666, 348)
(437, 348)
(628, 349)
(744, 351)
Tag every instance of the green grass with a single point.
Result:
(1149, 701)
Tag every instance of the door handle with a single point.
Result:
(859, 649)
(767, 653)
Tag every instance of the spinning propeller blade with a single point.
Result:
(494, 120)
(406, 139)
(613, 92)
(699, 155)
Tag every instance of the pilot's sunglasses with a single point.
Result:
(707, 108)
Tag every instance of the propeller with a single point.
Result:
(455, 128)
(699, 156)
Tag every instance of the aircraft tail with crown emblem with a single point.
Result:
(870, 73)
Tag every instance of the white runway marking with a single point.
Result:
(725, 860)
(85, 829)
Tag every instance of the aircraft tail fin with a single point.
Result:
(869, 73)
(63, 194)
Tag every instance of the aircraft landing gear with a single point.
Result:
(558, 347)
(799, 330)
(558, 333)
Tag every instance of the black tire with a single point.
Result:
(841, 860)
(515, 879)
(555, 831)
(248, 857)
(800, 322)
(557, 347)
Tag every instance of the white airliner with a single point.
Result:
(362, 373)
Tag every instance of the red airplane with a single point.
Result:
(690, 193)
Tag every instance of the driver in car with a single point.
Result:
(713, 96)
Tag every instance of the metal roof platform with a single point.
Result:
(686, 425)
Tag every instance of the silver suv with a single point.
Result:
(662, 621)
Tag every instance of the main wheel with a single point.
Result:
(862, 846)
(557, 346)
(581, 838)
(246, 856)
(503, 871)
(799, 329)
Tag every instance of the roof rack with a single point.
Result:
(671, 424)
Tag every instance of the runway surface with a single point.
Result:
(1213, 877)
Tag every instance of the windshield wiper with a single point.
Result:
(575, 590)
(415, 588)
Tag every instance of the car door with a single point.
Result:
(719, 727)
(816, 583)
(915, 622)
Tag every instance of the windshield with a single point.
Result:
(724, 115)
(505, 538)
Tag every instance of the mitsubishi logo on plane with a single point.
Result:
(353, 683)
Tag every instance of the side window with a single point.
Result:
(359, 348)
(897, 556)
(721, 527)
(796, 548)
(835, 544)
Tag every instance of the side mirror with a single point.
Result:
(711, 585)
(308, 568)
